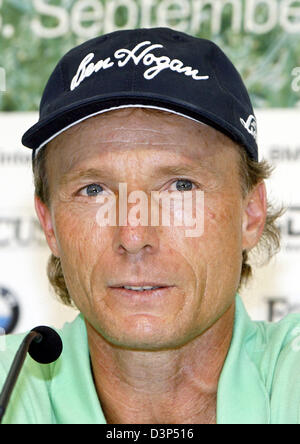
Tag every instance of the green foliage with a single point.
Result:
(265, 61)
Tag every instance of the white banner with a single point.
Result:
(275, 290)
(24, 289)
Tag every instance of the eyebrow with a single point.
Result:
(76, 175)
(104, 173)
(183, 169)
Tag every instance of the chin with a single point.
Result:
(146, 339)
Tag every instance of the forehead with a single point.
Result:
(137, 129)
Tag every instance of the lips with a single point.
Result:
(140, 291)
(140, 296)
(140, 286)
(145, 288)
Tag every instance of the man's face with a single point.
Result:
(145, 149)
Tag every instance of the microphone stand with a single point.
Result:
(16, 368)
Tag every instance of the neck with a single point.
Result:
(167, 386)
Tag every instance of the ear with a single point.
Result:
(44, 215)
(254, 217)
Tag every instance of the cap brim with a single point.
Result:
(57, 122)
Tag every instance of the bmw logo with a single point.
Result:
(9, 310)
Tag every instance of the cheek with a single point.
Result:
(222, 239)
(223, 220)
(218, 251)
(80, 239)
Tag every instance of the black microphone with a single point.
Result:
(44, 346)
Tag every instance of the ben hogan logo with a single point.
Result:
(137, 55)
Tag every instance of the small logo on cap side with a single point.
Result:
(155, 64)
(250, 125)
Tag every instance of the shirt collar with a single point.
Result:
(242, 397)
(73, 394)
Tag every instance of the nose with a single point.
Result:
(136, 240)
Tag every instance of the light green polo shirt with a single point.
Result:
(259, 383)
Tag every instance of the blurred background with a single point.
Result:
(261, 37)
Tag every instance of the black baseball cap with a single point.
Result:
(156, 68)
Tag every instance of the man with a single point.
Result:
(162, 335)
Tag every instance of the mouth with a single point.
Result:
(144, 288)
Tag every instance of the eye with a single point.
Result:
(183, 185)
(93, 189)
